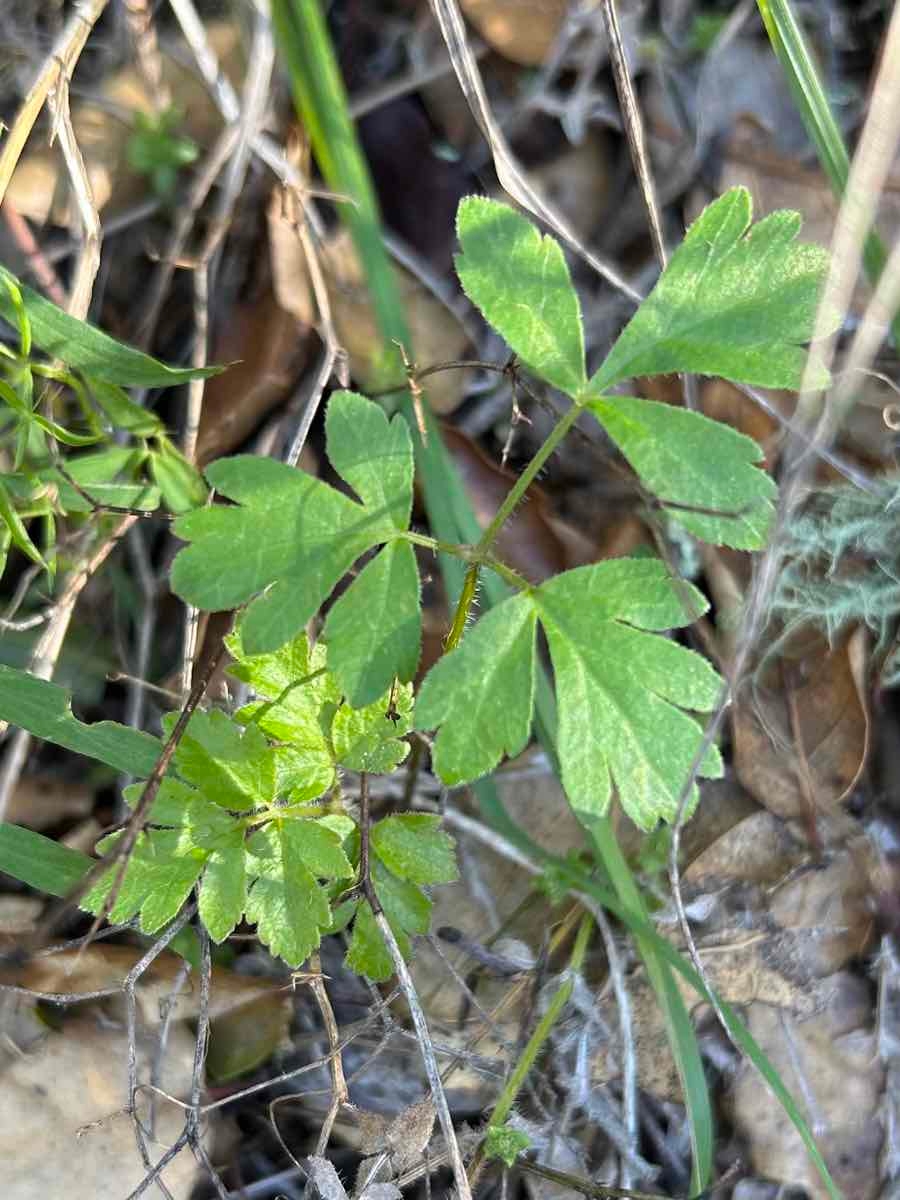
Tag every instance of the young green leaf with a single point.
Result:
(110, 476)
(121, 410)
(506, 1143)
(520, 282)
(85, 348)
(157, 881)
(367, 954)
(291, 534)
(294, 687)
(413, 847)
(18, 533)
(734, 301)
(686, 458)
(223, 890)
(178, 806)
(374, 630)
(372, 454)
(408, 911)
(482, 694)
(372, 739)
(288, 905)
(233, 768)
(621, 691)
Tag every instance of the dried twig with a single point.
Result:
(58, 65)
(426, 1048)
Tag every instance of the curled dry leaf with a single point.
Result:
(436, 334)
(801, 733)
(800, 745)
(521, 30)
(404, 1136)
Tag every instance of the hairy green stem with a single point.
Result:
(527, 478)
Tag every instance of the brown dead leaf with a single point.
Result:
(42, 801)
(268, 348)
(100, 965)
(437, 335)
(247, 1034)
(521, 30)
(403, 1136)
(801, 726)
(800, 744)
(829, 1062)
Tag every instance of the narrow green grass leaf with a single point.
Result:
(43, 864)
(85, 348)
(811, 97)
(686, 458)
(520, 282)
(374, 630)
(18, 533)
(45, 711)
(735, 301)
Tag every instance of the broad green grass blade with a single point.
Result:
(45, 711)
(812, 102)
(40, 862)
